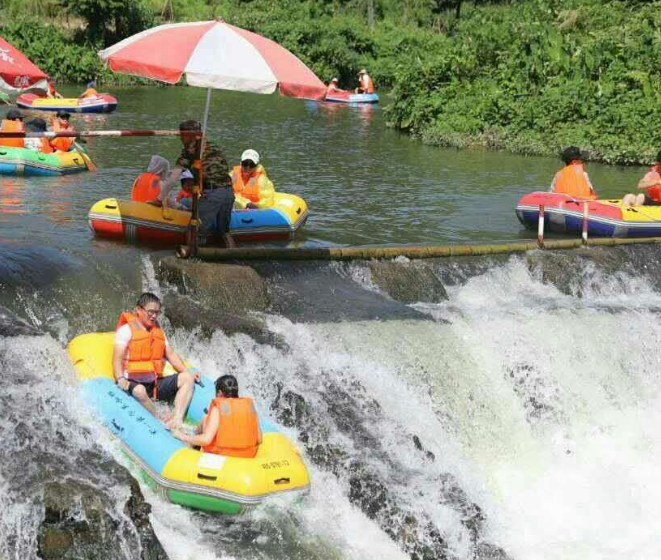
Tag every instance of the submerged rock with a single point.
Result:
(11, 325)
(77, 524)
(227, 287)
(407, 282)
(185, 313)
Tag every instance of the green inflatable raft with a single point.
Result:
(21, 161)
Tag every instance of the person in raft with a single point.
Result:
(147, 186)
(332, 87)
(90, 91)
(51, 92)
(231, 426)
(60, 123)
(217, 200)
(41, 144)
(651, 184)
(252, 188)
(365, 84)
(572, 179)
(138, 361)
(13, 122)
(182, 200)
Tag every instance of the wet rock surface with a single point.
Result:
(185, 313)
(376, 495)
(227, 287)
(407, 282)
(77, 523)
(12, 325)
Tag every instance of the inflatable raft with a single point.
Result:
(348, 97)
(138, 222)
(605, 218)
(178, 473)
(102, 103)
(21, 161)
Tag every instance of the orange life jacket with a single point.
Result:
(146, 350)
(46, 147)
(571, 180)
(250, 189)
(62, 144)
(238, 430)
(12, 126)
(366, 83)
(146, 187)
(52, 92)
(654, 192)
(183, 194)
(90, 92)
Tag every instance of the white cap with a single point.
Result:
(252, 155)
(186, 174)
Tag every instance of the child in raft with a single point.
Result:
(182, 200)
(231, 426)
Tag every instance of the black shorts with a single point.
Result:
(167, 388)
(650, 202)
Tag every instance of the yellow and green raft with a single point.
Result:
(23, 161)
(178, 473)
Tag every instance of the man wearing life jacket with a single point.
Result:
(651, 184)
(13, 122)
(41, 144)
(252, 188)
(60, 123)
(90, 91)
(138, 361)
(332, 87)
(365, 82)
(572, 179)
(231, 426)
(147, 186)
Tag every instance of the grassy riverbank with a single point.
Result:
(529, 77)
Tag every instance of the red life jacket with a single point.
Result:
(249, 189)
(654, 192)
(238, 431)
(12, 126)
(571, 180)
(146, 187)
(146, 350)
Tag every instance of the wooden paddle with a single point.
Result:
(88, 161)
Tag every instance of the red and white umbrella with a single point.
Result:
(17, 72)
(213, 54)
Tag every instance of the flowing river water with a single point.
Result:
(535, 385)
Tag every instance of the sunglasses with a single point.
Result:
(151, 312)
(248, 163)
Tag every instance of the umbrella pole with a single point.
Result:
(195, 214)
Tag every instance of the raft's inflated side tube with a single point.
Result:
(141, 222)
(183, 475)
(102, 103)
(606, 217)
(22, 161)
(352, 98)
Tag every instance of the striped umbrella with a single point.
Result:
(17, 72)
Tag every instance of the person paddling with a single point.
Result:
(572, 179)
(231, 426)
(138, 361)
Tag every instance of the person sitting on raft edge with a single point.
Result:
(13, 122)
(230, 427)
(572, 179)
(651, 184)
(138, 361)
(90, 91)
(252, 187)
(365, 84)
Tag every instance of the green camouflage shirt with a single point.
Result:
(215, 171)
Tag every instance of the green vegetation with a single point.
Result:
(528, 76)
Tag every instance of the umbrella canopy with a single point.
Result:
(17, 73)
(213, 54)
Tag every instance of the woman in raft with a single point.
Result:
(147, 187)
(651, 184)
(231, 426)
